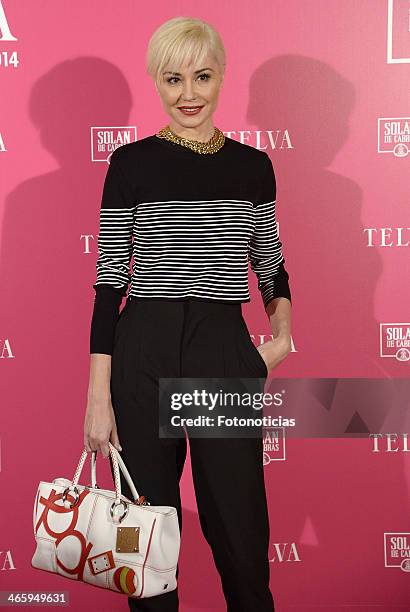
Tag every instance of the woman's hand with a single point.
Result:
(276, 350)
(100, 426)
(99, 423)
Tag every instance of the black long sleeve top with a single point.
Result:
(191, 223)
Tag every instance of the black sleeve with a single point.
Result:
(114, 255)
(265, 248)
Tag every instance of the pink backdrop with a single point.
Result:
(318, 85)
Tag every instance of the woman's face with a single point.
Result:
(192, 86)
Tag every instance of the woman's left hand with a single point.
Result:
(276, 350)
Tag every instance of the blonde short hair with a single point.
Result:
(182, 40)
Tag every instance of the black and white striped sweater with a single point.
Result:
(191, 224)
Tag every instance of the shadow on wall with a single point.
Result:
(307, 105)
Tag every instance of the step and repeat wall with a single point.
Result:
(323, 87)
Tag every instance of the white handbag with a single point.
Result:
(103, 538)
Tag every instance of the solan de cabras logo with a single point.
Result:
(273, 444)
(397, 550)
(395, 340)
(394, 135)
(104, 140)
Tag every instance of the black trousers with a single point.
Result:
(158, 337)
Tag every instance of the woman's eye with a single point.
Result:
(172, 80)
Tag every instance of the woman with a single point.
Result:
(192, 207)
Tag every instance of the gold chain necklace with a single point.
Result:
(212, 145)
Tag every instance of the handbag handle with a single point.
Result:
(118, 463)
